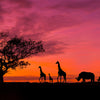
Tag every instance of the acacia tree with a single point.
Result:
(14, 50)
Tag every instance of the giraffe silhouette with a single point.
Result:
(42, 75)
(60, 72)
(50, 78)
(98, 79)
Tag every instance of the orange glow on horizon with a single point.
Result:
(69, 30)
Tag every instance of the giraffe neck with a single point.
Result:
(41, 70)
(59, 68)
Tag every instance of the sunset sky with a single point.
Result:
(69, 29)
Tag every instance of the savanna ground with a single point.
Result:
(31, 86)
(31, 91)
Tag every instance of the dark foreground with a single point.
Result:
(46, 85)
(24, 91)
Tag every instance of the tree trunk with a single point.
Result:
(1, 79)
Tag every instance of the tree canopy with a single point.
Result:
(14, 50)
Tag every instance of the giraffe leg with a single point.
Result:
(39, 79)
(44, 78)
(64, 78)
(52, 80)
(58, 78)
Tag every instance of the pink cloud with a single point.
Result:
(37, 19)
(88, 5)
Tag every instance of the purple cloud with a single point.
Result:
(32, 15)
(2, 12)
(36, 19)
(20, 3)
(55, 47)
(89, 5)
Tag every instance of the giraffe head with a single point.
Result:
(57, 62)
(39, 66)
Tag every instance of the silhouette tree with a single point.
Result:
(13, 50)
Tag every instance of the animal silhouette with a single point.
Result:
(86, 75)
(50, 78)
(98, 79)
(42, 75)
(60, 73)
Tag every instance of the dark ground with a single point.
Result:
(46, 85)
(29, 91)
